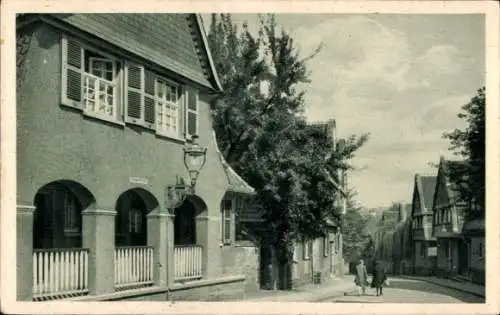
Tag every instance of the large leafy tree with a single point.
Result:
(265, 136)
(469, 144)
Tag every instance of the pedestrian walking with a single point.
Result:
(361, 279)
(379, 277)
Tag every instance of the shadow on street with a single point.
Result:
(428, 287)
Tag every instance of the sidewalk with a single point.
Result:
(471, 288)
(308, 293)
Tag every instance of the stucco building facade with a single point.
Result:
(106, 103)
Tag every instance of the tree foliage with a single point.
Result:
(469, 144)
(265, 136)
(356, 242)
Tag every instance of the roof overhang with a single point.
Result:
(236, 184)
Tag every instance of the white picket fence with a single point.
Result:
(133, 266)
(60, 273)
(188, 262)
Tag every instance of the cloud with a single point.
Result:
(372, 79)
(405, 88)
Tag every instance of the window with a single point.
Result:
(91, 80)
(306, 248)
(326, 244)
(423, 249)
(480, 250)
(167, 105)
(238, 226)
(135, 221)
(337, 243)
(71, 213)
(227, 205)
(105, 87)
(295, 252)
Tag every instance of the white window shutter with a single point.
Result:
(72, 64)
(181, 130)
(192, 113)
(134, 85)
(149, 98)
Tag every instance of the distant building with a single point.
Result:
(401, 251)
(384, 238)
(424, 244)
(448, 223)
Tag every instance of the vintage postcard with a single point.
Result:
(249, 157)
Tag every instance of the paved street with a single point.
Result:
(410, 291)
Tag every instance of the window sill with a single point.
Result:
(104, 118)
(169, 136)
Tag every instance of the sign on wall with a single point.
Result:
(138, 180)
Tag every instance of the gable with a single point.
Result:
(416, 208)
(441, 197)
(428, 184)
(173, 41)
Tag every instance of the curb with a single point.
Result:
(445, 285)
(331, 295)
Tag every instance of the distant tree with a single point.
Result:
(469, 144)
(355, 238)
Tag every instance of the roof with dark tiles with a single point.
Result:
(235, 182)
(428, 186)
(176, 42)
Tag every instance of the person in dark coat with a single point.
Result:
(379, 277)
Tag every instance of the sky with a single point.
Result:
(400, 77)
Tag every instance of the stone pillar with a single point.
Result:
(24, 250)
(161, 237)
(202, 239)
(170, 249)
(98, 237)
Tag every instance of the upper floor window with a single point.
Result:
(121, 91)
(167, 105)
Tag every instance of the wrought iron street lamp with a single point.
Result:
(194, 160)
